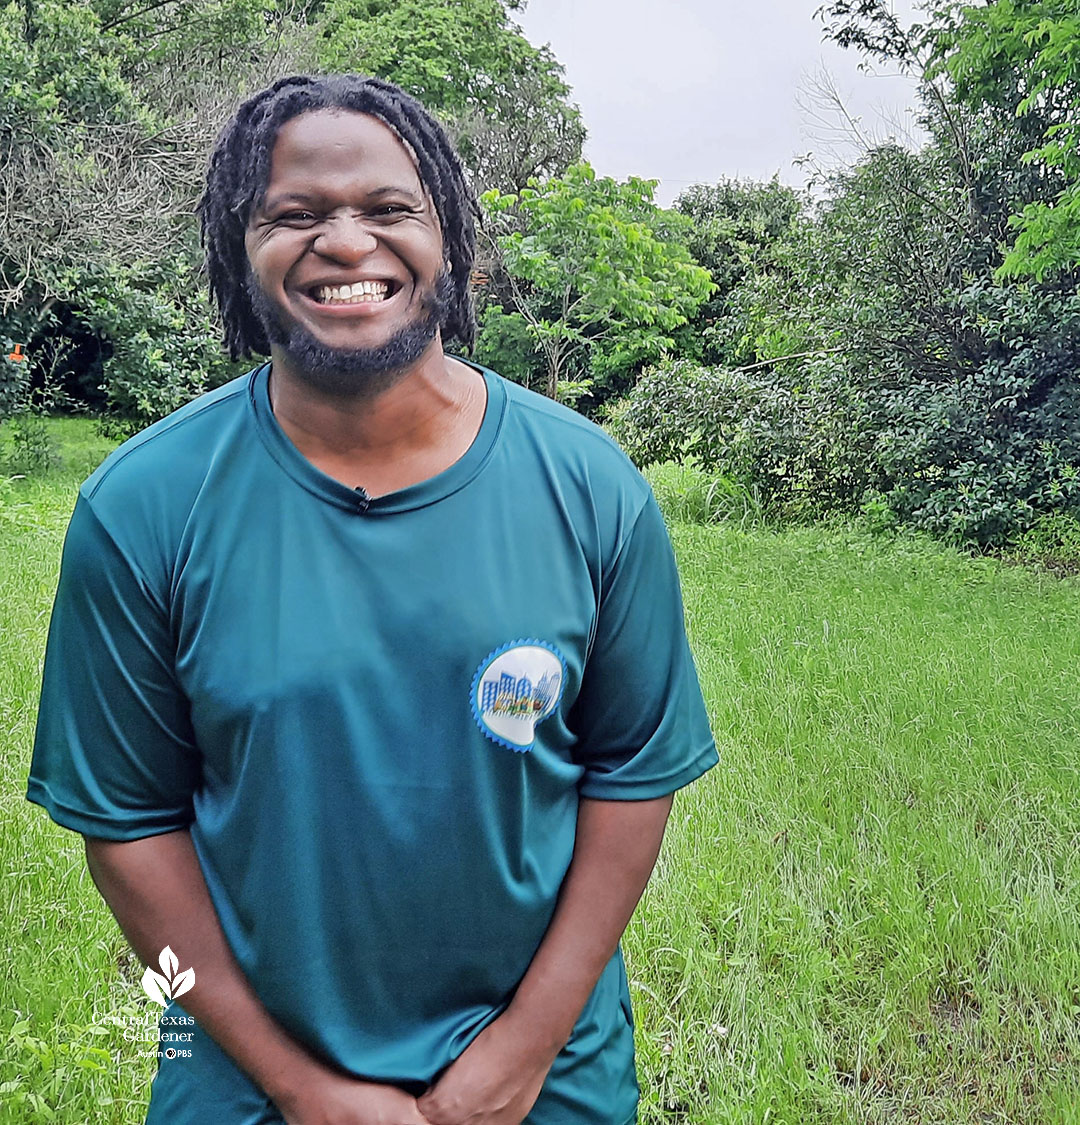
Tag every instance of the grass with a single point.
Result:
(65, 972)
(868, 912)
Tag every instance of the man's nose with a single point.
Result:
(345, 239)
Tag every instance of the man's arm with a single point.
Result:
(155, 888)
(498, 1078)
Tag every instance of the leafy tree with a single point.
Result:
(892, 366)
(959, 392)
(973, 380)
(597, 272)
(504, 344)
(504, 101)
(734, 232)
(107, 110)
(1021, 58)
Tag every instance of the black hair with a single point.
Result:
(239, 171)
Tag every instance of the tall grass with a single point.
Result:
(689, 494)
(868, 912)
(66, 976)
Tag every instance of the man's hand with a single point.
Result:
(335, 1099)
(499, 1077)
(496, 1081)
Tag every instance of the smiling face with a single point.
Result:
(346, 254)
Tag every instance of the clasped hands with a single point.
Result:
(495, 1081)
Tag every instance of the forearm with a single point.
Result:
(156, 890)
(614, 854)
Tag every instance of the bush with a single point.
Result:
(973, 450)
(163, 345)
(33, 449)
(980, 457)
(800, 450)
(503, 343)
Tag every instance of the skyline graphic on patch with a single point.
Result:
(517, 686)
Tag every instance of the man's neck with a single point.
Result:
(413, 429)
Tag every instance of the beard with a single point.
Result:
(352, 372)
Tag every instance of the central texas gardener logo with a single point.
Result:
(168, 984)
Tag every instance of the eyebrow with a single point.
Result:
(303, 197)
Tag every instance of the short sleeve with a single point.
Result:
(114, 753)
(640, 719)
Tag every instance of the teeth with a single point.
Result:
(354, 294)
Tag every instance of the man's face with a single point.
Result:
(346, 254)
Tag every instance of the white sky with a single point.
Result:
(690, 91)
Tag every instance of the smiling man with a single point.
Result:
(367, 682)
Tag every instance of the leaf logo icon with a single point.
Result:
(168, 962)
(168, 984)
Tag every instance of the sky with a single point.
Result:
(692, 91)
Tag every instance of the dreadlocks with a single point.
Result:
(240, 169)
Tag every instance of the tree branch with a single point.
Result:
(135, 15)
(795, 355)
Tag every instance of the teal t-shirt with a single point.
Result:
(376, 718)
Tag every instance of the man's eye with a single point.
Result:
(392, 209)
(296, 217)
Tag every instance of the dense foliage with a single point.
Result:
(107, 111)
(505, 102)
(599, 277)
(906, 344)
(735, 231)
(1020, 61)
(882, 355)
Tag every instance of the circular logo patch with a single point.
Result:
(516, 687)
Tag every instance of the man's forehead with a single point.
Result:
(333, 126)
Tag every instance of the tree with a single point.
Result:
(735, 229)
(105, 120)
(504, 101)
(1021, 58)
(107, 111)
(596, 272)
(896, 369)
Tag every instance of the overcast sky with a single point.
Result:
(690, 91)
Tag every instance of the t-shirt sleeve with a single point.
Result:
(114, 753)
(641, 722)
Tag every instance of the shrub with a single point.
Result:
(163, 346)
(979, 457)
(504, 344)
(33, 449)
(800, 450)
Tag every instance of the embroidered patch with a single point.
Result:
(517, 686)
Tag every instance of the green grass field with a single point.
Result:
(868, 912)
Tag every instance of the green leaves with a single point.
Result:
(504, 101)
(596, 272)
(1021, 58)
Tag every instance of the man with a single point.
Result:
(367, 681)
